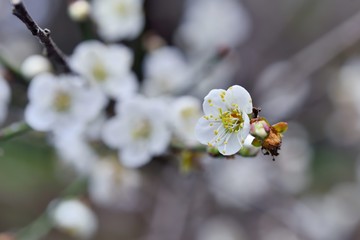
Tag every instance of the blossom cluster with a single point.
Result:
(103, 100)
(106, 117)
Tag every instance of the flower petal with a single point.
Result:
(39, 118)
(238, 95)
(134, 156)
(205, 130)
(246, 128)
(213, 101)
(122, 87)
(230, 146)
(113, 133)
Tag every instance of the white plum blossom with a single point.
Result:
(221, 228)
(186, 111)
(118, 19)
(240, 183)
(74, 151)
(212, 24)
(114, 186)
(226, 123)
(59, 103)
(79, 10)
(74, 217)
(4, 98)
(139, 131)
(34, 65)
(166, 72)
(106, 67)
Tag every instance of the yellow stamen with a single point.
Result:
(62, 101)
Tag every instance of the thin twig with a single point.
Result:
(51, 50)
(13, 130)
(42, 225)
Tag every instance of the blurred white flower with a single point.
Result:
(107, 67)
(280, 234)
(34, 65)
(186, 111)
(221, 229)
(5, 94)
(241, 182)
(345, 89)
(74, 151)
(79, 10)
(226, 123)
(292, 173)
(59, 103)
(331, 217)
(166, 72)
(212, 24)
(113, 186)
(342, 209)
(118, 19)
(74, 217)
(139, 131)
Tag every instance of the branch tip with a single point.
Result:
(15, 2)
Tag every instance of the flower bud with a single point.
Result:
(260, 129)
(248, 149)
(73, 217)
(79, 10)
(35, 65)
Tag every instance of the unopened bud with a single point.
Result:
(79, 10)
(248, 149)
(73, 217)
(35, 65)
(260, 129)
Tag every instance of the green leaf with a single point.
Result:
(280, 127)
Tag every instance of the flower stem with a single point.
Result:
(42, 225)
(13, 130)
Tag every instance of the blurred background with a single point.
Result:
(300, 62)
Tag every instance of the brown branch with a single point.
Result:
(51, 50)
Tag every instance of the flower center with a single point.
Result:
(188, 113)
(232, 120)
(122, 9)
(62, 101)
(142, 130)
(99, 72)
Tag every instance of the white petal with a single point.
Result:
(119, 58)
(213, 102)
(231, 147)
(246, 128)
(238, 95)
(38, 118)
(134, 157)
(114, 132)
(42, 88)
(205, 130)
(122, 87)
(83, 98)
(160, 139)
